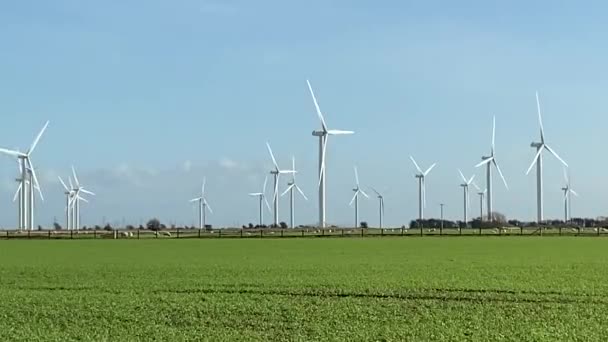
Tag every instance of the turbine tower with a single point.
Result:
(202, 206)
(77, 198)
(567, 189)
(276, 172)
(489, 161)
(323, 135)
(481, 197)
(465, 188)
(421, 187)
(381, 207)
(262, 198)
(291, 186)
(28, 182)
(538, 160)
(355, 199)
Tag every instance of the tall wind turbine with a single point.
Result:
(481, 196)
(323, 135)
(567, 189)
(28, 182)
(465, 188)
(421, 175)
(355, 199)
(291, 186)
(489, 161)
(381, 207)
(202, 207)
(277, 172)
(69, 193)
(76, 198)
(538, 160)
(262, 198)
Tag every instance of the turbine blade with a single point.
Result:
(322, 171)
(208, 206)
(485, 161)
(70, 181)
(416, 164)
(429, 169)
(196, 200)
(82, 199)
(462, 176)
(63, 183)
(555, 155)
(12, 153)
(287, 190)
(293, 167)
(255, 194)
(377, 193)
(476, 187)
(267, 204)
(356, 177)
(274, 161)
(566, 178)
(319, 114)
(37, 139)
(203, 187)
(471, 180)
(574, 193)
(501, 175)
(87, 191)
(17, 192)
(540, 150)
(540, 120)
(75, 177)
(265, 183)
(364, 194)
(276, 188)
(339, 132)
(493, 133)
(301, 192)
(354, 196)
(35, 178)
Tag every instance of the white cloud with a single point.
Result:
(228, 163)
(187, 166)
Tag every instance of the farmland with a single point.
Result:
(445, 289)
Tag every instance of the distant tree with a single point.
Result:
(499, 217)
(363, 225)
(130, 227)
(141, 227)
(207, 227)
(97, 227)
(162, 226)
(56, 226)
(153, 224)
(107, 227)
(283, 225)
(250, 225)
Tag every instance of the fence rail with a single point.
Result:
(294, 233)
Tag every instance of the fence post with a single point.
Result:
(480, 229)
(560, 230)
(241, 232)
(220, 233)
(177, 235)
(361, 232)
(7, 234)
(598, 230)
(137, 233)
(281, 232)
(302, 232)
(342, 231)
(28, 234)
(521, 230)
(49, 234)
(71, 234)
(261, 233)
(323, 232)
(402, 231)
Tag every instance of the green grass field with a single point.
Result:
(394, 289)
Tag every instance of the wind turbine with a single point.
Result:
(355, 199)
(481, 196)
(567, 189)
(538, 160)
(202, 207)
(277, 172)
(421, 175)
(291, 186)
(262, 198)
(489, 161)
(28, 182)
(465, 188)
(76, 198)
(381, 207)
(323, 135)
(69, 193)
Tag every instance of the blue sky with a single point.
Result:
(147, 97)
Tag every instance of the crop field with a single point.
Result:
(308, 289)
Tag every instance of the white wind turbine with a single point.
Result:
(381, 207)
(202, 206)
(262, 198)
(481, 196)
(76, 198)
(465, 188)
(421, 175)
(538, 160)
(567, 189)
(355, 199)
(69, 193)
(323, 135)
(28, 182)
(489, 161)
(276, 172)
(290, 188)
